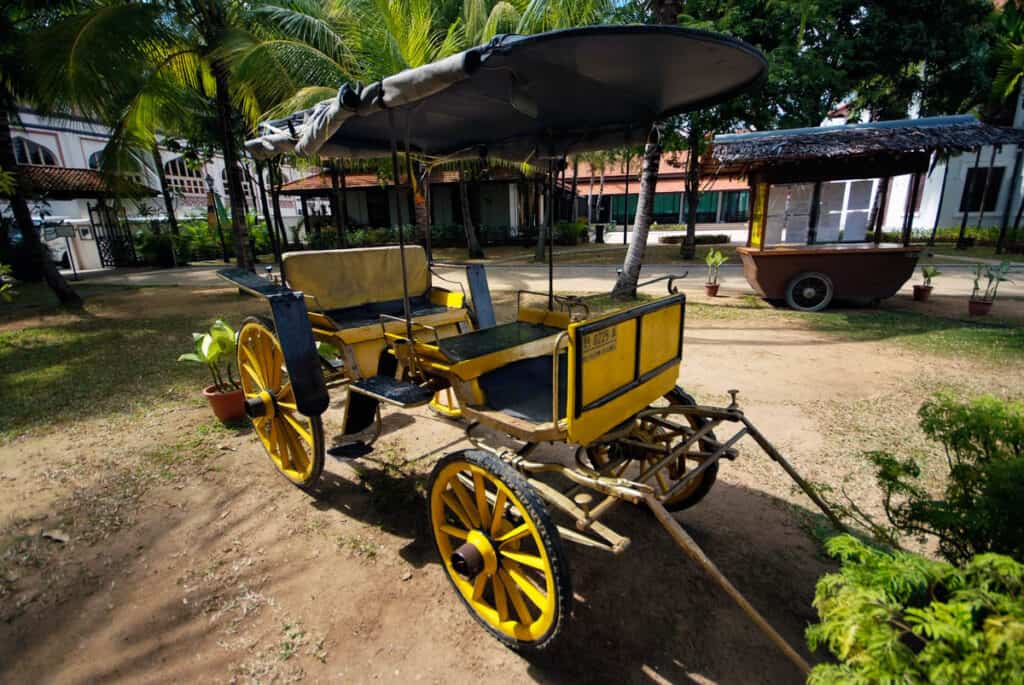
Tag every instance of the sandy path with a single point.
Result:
(213, 569)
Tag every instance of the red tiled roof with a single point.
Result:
(63, 183)
(321, 183)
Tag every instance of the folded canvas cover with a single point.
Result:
(525, 97)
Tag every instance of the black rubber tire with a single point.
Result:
(820, 285)
(315, 422)
(708, 477)
(552, 541)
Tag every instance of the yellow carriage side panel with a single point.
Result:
(609, 356)
(621, 363)
(665, 327)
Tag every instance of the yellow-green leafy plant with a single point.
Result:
(896, 617)
(214, 348)
(714, 259)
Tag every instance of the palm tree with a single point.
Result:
(17, 25)
(161, 64)
(629, 276)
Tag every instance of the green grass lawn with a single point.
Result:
(942, 249)
(993, 341)
(104, 361)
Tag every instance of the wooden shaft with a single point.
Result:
(691, 548)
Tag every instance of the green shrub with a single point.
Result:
(981, 508)
(700, 239)
(155, 250)
(571, 232)
(901, 618)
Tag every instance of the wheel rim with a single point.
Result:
(809, 292)
(663, 480)
(287, 436)
(515, 590)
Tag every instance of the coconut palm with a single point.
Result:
(166, 64)
(19, 22)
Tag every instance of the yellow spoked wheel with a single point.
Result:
(638, 460)
(295, 443)
(499, 548)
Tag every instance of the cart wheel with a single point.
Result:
(666, 477)
(295, 443)
(699, 489)
(809, 292)
(499, 548)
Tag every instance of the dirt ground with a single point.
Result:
(181, 556)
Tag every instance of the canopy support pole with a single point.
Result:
(625, 201)
(401, 233)
(551, 235)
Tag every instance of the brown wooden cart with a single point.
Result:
(791, 254)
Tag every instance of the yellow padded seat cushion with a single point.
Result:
(350, 278)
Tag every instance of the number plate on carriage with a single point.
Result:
(599, 342)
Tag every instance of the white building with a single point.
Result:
(77, 144)
(951, 188)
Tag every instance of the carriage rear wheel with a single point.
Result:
(502, 553)
(633, 460)
(294, 442)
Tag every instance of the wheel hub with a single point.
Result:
(263, 404)
(809, 292)
(475, 556)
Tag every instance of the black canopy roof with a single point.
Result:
(522, 97)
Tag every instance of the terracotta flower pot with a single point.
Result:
(979, 307)
(226, 406)
(922, 292)
(711, 289)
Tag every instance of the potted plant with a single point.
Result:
(213, 348)
(924, 290)
(714, 259)
(981, 300)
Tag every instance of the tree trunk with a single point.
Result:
(590, 199)
(575, 177)
(625, 286)
(267, 219)
(600, 195)
(172, 220)
(23, 217)
(689, 246)
(421, 211)
(472, 244)
(240, 228)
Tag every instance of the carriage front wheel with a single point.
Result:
(294, 442)
(499, 548)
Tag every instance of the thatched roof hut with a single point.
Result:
(884, 148)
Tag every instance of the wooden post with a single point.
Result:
(966, 202)
(1011, 188)
(812, 219)
(942, 199)
(908, 210)
(988, 181)
(878, 211)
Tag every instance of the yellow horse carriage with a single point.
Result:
(604, 385)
